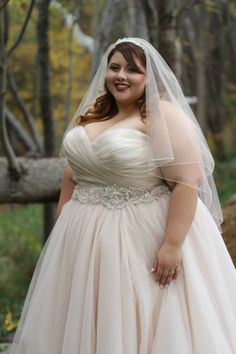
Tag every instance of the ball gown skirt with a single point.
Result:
(92, 291)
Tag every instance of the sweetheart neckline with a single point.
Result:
(106, 131)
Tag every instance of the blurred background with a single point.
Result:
(49, 51)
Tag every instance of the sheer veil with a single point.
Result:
(177, 144)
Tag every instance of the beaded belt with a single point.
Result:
(114, 196)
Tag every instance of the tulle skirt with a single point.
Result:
(93, 293)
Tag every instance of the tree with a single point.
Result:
(18, 169)
(183, 31)
(5, 53)
(45, 98)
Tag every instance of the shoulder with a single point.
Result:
(175, 114)
(169, 108)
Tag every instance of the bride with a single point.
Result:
(135, 263)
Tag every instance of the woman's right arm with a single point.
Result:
(67, 187)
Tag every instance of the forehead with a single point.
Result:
(118, 58)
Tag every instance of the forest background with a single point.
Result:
(49, 51)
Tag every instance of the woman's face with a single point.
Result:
(124, 82)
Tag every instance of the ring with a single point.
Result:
(172, 271)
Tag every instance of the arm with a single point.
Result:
(182, 207)
(184, 196)
(67, 187)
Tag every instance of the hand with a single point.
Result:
(167, 264)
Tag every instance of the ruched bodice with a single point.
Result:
(119, 155)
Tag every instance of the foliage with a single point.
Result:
(20, 246)
(225, 176)
(3, 347)
(26, 57)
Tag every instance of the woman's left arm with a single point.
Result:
(186, 170)
(182, 207)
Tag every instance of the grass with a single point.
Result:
(20, 246)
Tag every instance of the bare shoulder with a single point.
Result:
(175, 115)
(169, 107)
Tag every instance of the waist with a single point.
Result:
(114, 196)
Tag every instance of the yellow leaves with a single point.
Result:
(23, 5)
(9, 324)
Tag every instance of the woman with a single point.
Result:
(135, 262)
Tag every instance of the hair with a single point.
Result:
(105, 106)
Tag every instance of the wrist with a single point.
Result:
(174, 245)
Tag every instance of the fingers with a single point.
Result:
(169, 277)
(154, 268)
(165, 276)
(166, 265)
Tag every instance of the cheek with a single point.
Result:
(139, 82)
(109, 78)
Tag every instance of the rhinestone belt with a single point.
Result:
(114, 196)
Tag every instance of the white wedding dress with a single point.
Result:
(92, 291)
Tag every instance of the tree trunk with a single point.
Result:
(151, 10)
(201, 64)
(167, 31)
(45, 98)
(214, 83)
(135, 22)
(43, 76)
(110, 14)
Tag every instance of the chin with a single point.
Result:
(125, 102)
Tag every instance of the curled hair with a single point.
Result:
(105, 106)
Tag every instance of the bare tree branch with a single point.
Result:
(79, 36)
(7, 148)
(22, 32)
(20, 132)
(6, 24)
(27, 114)
(4, 4)
(69, 79)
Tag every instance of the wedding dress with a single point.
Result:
(92, 291)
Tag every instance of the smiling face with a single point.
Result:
(125, 79)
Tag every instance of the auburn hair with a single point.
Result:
(105, 106)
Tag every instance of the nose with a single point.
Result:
(121, 74)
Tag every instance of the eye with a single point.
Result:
(114, 67)
(131, 69)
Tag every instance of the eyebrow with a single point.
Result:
(117, 64)
(114, 63)
(139, 68)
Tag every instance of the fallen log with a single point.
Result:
(39, 181)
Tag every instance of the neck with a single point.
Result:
(125, 111)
